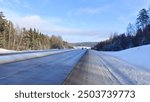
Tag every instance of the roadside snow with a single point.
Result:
(138, 56)
(5, 51)
(25, 56)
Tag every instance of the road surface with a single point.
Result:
(98, 68)
(77, 67)
(52, 69)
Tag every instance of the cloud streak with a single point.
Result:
(93, 10)
(51, 25)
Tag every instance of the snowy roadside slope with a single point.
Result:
(6, 51)
(137, 56)
(98, 68)
(26, 56)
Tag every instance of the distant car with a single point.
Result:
(84, 48)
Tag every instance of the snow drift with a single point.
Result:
(139, 56)
(6, 51)
(25, 56)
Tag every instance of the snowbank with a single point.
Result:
(6, 51)
(25, 56)
(138, 56)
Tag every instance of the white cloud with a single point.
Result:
(51, 25)
(45, 25)
(90, 10)
(30, 21)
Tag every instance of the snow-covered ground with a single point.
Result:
(139, 56)
(6, 51)
(24, 55)
(130, 66)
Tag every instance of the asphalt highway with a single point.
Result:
(72, 67)
(51, 69)
(98, 68)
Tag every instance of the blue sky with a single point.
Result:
(74, 20)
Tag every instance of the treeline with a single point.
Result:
(137, 34)
(15, 38)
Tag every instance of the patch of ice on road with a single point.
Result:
(138, 56)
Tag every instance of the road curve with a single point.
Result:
(98, 68)
(52, 69)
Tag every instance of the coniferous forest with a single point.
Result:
(15, 38)
(136, 35)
